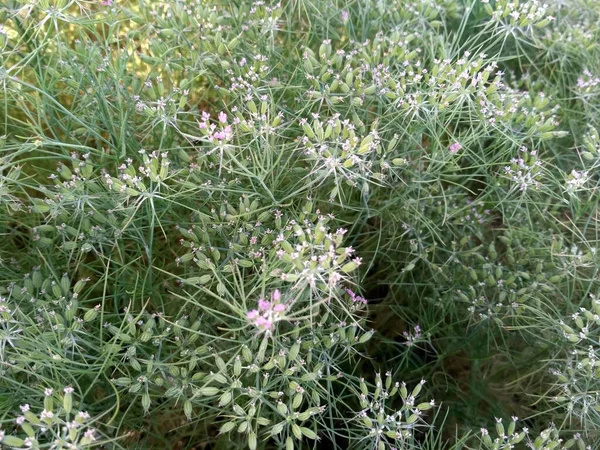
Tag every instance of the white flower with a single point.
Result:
(89, 434)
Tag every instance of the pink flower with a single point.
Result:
(356, 298)
(455, 147)
(268, 312)
(222, 117)
(264, 305)
(263, 322)
(106, 2)
(223, 134)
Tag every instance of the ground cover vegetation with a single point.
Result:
(305, 224)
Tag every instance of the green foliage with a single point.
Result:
(293, 225)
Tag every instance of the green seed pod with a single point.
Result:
(68, 401)
(12, 442)
(31, 417)
(225, 398)
(28, 429)
(36, 278)
(417, 389)
(28, 283)
(412, 418)
(65, 172)
(220, 378)
(187, 409)
(135, 364)
(87, 170)
(349, 267)
(65, 284)
(297, 431)
(79, 286)
(220, 363)
(297, 401)
(123, 381)
(246, 354)
(294, 350)
(237, 366)
(308, 65)
(227, 427)
(208, 391)
(282, 408)
(90, 315)
(363, 387)
(146, 402)
(334, 85)
(511, 428)
(588, 156)
(277, 428)
(262, 421)
(252, 107)
(308, 433)
(48, 402)
(366, 336)
(260, 357)
(499, 427)
(252, 440)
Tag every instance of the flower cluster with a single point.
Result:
(386, 427)
(316, 258)
(339, 154)
(268, 312)
(525, 170)
(182, 203)
(216, 133)
(512, 14)
(577, 381)
(507, 438)
(412, 337)
(591, 143)
(5, 311)
(133, 182)
(248, 75)
(455, 147)
(58, 427)
(472, 213)
(356, 298)
(576, 181)
(588, 83)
